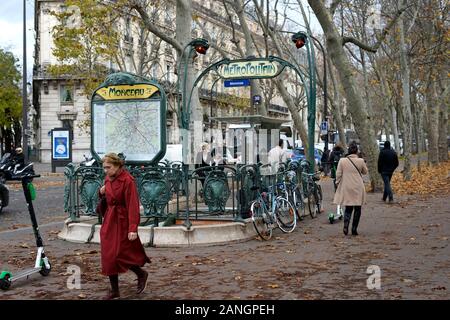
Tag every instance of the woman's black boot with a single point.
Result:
(347, 217)
(113, 293)
(355, 223)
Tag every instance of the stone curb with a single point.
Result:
(173, 236)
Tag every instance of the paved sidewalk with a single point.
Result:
(408, 242)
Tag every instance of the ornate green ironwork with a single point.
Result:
(91, 181)
(249, 176)
(216, 191)
(154, 193)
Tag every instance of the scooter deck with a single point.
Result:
(24, 273)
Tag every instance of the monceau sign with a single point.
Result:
(248, 69)
(120, 92)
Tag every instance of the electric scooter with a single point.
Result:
(42, 264)
(332, 216)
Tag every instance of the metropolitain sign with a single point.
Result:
(254, 69)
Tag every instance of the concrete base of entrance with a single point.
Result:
(202, 232)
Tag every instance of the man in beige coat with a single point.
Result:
(351, 192)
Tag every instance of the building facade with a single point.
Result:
(61, 102)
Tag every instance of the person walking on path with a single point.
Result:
(350, 191)
(387, 163)
(121, 248)
(336, 154)
(324, 161)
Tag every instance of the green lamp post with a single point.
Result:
(301, 40)
(200, 46)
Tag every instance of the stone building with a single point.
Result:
(60, 101)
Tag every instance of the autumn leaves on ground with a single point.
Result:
(425, 180)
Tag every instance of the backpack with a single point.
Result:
(337, 155)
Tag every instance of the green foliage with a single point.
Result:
(85, 39)
(10, 93)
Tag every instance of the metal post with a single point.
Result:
(312, 104)
(211, 108)
(184, 131)
(24, 87)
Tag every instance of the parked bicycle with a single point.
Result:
(269, 211)
(291, 189)
(312, 191)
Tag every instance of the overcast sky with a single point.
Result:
(11, 29)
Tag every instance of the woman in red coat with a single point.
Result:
(121, 248)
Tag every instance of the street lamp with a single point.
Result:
(300, 39)
(200, 46)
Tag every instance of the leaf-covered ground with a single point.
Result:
(425, 180)
(407, 240)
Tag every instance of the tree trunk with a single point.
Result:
(393, 111)
(18, 134)
(298, 122)
(183, 35)
(433, 122)
(406, 103)
(415, 119)
(337, 108)
(355, 102)
(238, 7)
(443, 123)
(7, 133)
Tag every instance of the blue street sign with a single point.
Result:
(324, 126)
(256, 99)
(236, 83)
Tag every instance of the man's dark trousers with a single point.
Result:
(387, 186)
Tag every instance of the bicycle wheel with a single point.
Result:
(285, 215)
(319, 197)
(312, 207)
(261, 220)
(298, 203)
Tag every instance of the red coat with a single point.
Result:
(121, 217)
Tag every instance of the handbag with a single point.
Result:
(102, 206)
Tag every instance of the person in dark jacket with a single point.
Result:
(333, 159)
(324, 161)
(387, 163)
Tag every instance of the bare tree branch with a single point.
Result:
(383, 35)
(234, 40)
(334, 6)
(212, 42)
(136, 5)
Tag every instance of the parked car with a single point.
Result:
(299, 154)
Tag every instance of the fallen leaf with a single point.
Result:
(273, 286)
(82, 296)
(439, 288)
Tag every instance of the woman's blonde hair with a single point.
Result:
(114, 159)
